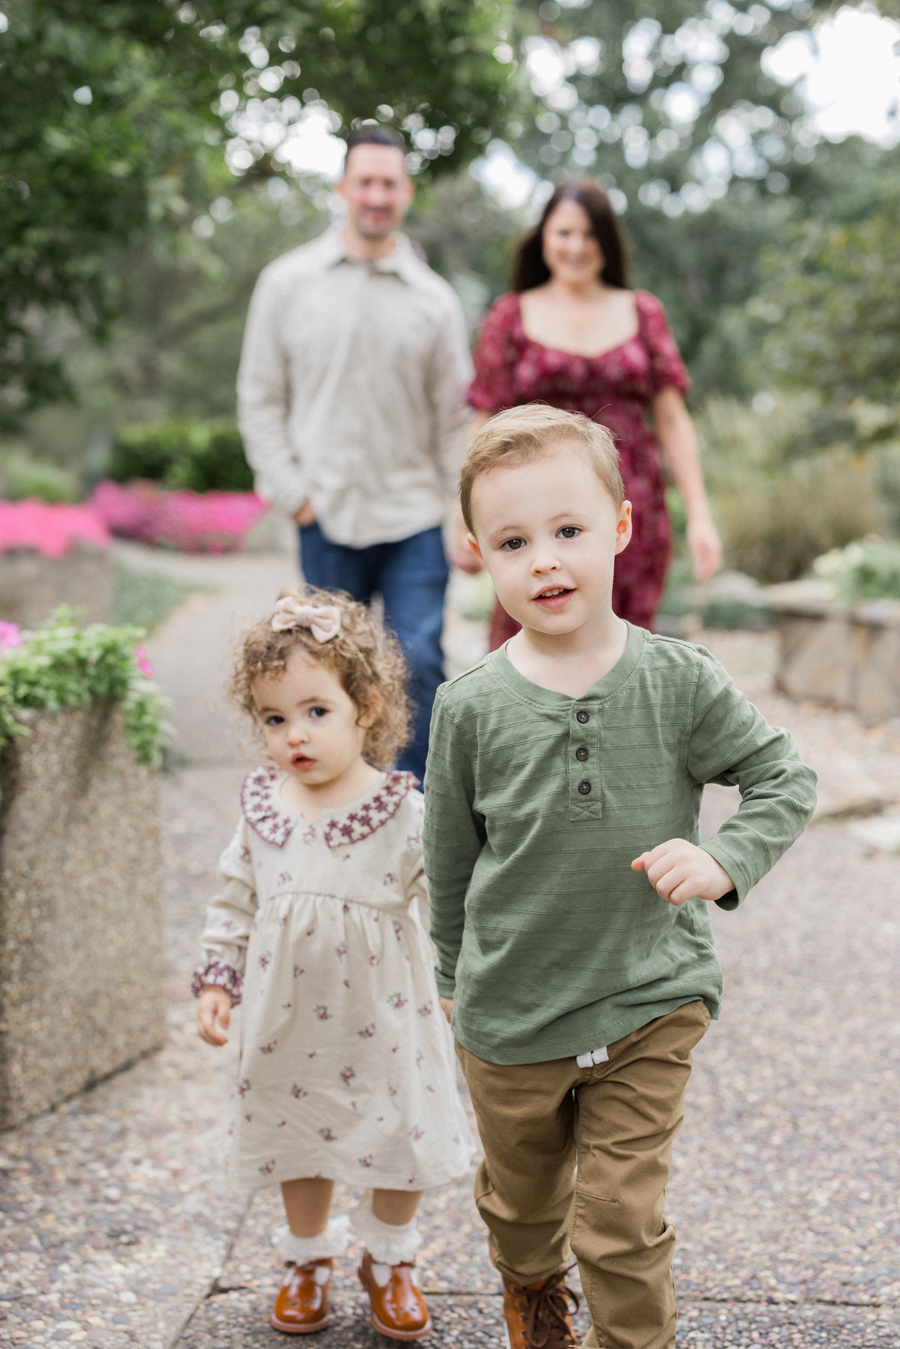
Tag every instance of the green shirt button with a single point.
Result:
(584, 788)
(582, 716)
(581, 753)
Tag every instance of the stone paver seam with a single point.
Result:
(213, 1288)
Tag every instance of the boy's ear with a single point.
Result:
(473, 544)
(623, 527)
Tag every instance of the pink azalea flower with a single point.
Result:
(143, 662)
(10, 635)
(208, 522)
(51, 529)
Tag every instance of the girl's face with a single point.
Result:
(570, 249)
(311, 725)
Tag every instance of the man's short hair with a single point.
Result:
(374, 135)
(524, 433)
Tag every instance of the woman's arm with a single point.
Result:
(675, 432)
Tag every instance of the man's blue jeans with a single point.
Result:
(411, 578)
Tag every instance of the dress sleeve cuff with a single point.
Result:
(219, 976)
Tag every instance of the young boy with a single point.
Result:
(567, 889)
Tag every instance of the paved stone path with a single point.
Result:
(116, 1228)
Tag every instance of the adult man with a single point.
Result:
(351, 403)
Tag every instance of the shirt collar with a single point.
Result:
(401, 260)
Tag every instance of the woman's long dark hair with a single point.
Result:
(529, 268)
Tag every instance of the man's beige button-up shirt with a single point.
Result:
(351, 390)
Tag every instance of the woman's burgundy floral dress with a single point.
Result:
(614, 389)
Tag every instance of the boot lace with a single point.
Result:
(547, 1312)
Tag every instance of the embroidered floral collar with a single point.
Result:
(264, 812)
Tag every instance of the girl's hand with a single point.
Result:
(706, 547)
(679, 870)
(446, 1006)
(213, 1003)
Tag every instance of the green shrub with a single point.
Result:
(61, 665)
(23, 477)
(204, 456)
(779, 501)
(867, 569)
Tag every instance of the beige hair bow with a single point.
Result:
(323, 622)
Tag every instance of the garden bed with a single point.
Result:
(81, 975)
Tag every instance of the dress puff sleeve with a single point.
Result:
(666, 366)
(493, 387)
(412, 867)
(229, 918)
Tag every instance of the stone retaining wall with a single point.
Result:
(32, 585)
(81, 916)
(846, 655)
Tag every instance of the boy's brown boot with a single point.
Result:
(398, 1307)
(302, 1302)
(537, 1314)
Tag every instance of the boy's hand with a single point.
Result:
(446, 1006)
(679, 870)
(213, 1002)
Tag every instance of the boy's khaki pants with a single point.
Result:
(582, 1155)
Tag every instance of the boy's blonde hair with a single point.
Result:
(524, 433)
(366, 659)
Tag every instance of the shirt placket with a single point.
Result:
(583, 764)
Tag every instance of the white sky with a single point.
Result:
(849, 68)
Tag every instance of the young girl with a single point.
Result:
(346, 1064)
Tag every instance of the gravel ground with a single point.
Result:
(115, 1228)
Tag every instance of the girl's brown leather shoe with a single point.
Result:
(302, 1302)
(398, 1308)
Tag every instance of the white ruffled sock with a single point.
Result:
(387, 1243)
(300, 1250)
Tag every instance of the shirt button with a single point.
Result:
(584, 788)
(582, 716)
(581, 753)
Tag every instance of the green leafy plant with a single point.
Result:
(867, 569)
(23, 476)
(61, 665)
(204, 456)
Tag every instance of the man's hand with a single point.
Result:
(213, 1003)
(446, 1006)
(679, 870)
(306, 515)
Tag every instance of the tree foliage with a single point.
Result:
(834, 312)
(112, 110)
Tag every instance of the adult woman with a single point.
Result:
(573, 335)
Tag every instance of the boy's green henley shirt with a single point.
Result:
(536, 804)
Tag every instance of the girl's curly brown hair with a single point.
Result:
(366, 659)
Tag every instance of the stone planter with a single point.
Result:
(81, 949)
(31, 585)
(846, 655)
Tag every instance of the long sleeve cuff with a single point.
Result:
(219, 976)
(446, 986)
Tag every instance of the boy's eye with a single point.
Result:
(513, 545)
(569, 531)
(274, 719)
(318, 711)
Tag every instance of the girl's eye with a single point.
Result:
(513, 545)
(274, 720)
(569, 531)
(318, 711)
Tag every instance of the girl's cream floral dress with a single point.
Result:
(346, 1062)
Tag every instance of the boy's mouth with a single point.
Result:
(554, 597)
(303, 762)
